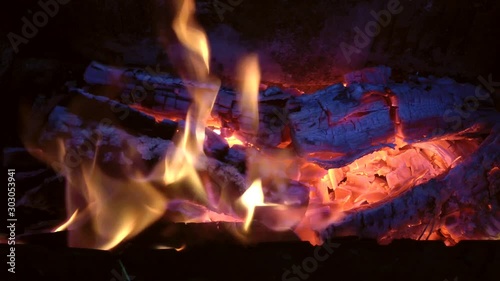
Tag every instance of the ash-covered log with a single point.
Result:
(337, 125)
(463, 203)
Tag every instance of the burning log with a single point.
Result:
(331, 127)
(120, 155)
(165, 96)
(114, 168)
(348, 122)
(67, 119)
(463, 203)
(85, 134)
(451, 107)
(362, 118)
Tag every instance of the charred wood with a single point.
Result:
(468, 194)
(337, 125)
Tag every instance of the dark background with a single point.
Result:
(297, 41)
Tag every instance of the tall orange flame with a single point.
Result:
(248, 73)
(187, 156)
(190, 33)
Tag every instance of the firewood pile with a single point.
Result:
(369, 158)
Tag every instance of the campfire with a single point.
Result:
(366, 157)
(180, 138)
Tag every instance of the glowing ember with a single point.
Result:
(379, 175)
(232, 140)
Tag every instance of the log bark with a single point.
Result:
(112, 133)
(431, 107)
(337, 125)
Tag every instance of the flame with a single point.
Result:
(115, 208)
(249, 77)
(190, 33)
(248, 73)
(270, 173)
(253, 196)
(187, 156)
(67, 223)
(162, 247)
(104, 210)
